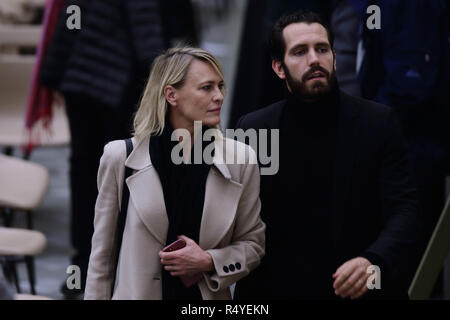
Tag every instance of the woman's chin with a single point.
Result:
(211, 121)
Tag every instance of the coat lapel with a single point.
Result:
(146, 191)
(347, 146)
(221, 197)
(219, 210)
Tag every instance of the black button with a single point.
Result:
(225, 268)
(231, 267)
(238, 265)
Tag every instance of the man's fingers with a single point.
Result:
(356, 287)
(349, 284)
(359, 293)
(339, 270)
(341, 278)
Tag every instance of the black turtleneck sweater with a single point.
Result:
(308, 134)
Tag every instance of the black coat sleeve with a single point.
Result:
(400, 233)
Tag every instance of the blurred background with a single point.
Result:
(68, 86)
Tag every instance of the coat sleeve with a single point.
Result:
(104, 249)
(398, 242)
(248, 239)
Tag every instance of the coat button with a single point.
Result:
(225, 269)
(238, 265)
(231, 267)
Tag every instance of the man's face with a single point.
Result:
(309, 64)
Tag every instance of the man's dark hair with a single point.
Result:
(277, 44)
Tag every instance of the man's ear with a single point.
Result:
(171, 95)
(277, 67)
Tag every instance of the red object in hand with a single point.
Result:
(187, 280)
(176, 245)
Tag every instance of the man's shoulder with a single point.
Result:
(375, 118)
(262, 117)
(365, 107)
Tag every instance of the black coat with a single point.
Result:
(374, 201)
(108, 60)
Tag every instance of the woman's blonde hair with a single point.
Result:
(170, 68)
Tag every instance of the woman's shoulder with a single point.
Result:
(115, 151)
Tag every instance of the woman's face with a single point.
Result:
(199, 99)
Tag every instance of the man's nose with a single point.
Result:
(312, 57)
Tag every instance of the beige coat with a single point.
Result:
(231, 229)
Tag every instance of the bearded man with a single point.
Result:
(341, 212)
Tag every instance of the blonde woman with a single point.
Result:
(214, 207)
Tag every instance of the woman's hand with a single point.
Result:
(187, 261)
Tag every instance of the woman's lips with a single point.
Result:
(214, 110)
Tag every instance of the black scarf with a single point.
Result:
(184, 194)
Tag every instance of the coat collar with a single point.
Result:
(140, 156)
(146, 195)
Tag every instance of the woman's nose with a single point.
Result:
(218, 95)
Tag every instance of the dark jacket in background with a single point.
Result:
(345, 25)
(407, 67)
(116, 45)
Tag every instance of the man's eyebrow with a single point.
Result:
(303, 45)
(323, 44)
(298, 46)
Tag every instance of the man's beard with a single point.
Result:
(317, 90)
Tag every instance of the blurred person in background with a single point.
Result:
(406, 65)
(213, 206)
(6, 292)
(100, 70)
(346, 27)
(21, 11)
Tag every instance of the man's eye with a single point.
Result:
(323, 50)
(300, 52)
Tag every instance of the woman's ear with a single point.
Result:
(171, 95)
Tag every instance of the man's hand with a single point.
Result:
(351, 278)
(187, 261)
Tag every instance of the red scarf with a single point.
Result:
(40, 98)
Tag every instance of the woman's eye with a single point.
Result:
(206, 87)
